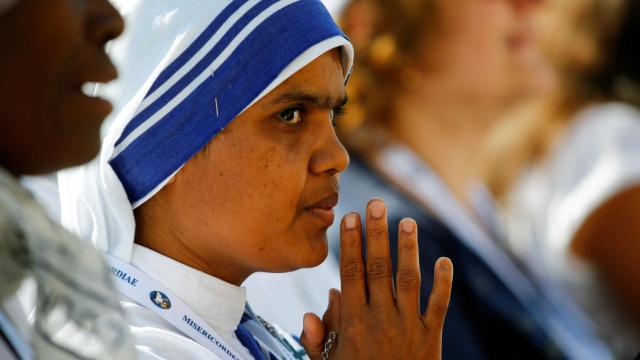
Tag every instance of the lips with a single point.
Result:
(89, 65)
(91, 69)
(327, 203)
(323, 209)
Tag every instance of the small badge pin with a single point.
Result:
(160, 300)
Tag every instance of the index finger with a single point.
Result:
(351, 264)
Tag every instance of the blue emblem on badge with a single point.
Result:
(160, 300)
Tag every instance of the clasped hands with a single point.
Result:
(375, 315)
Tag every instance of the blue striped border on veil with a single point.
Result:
(221, 73)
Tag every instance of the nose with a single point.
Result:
(104, 22)
(331, 157)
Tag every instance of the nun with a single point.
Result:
(221, 161)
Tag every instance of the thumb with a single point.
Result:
(331, 318)
(312, 338)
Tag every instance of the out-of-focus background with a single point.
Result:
(511, 129)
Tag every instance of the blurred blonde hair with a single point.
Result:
(593, 47)
(388, 37)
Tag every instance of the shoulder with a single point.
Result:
(610, 127)
(597, 158)
(601, 115)
(602, 141)
(154, 338)
(14, 252)
(68, 273)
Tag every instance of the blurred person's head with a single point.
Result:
(48, 51)
(593, 51)
(478, 52)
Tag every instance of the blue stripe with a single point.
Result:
(14, 339)
(197, 44)
(247, 340)
(170, 143)
(245, 317)
(202, 65)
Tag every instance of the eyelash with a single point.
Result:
(337, 113)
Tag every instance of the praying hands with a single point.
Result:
(376, 317)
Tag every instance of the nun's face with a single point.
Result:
(260, 196)
(48, 50)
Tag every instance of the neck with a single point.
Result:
(447, 133)
(161, 238)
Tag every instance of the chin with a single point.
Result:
(41, 163)
(303, 258)
(79, 155)
(317, 253)
(317, 259)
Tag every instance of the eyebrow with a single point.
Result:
(309, 98)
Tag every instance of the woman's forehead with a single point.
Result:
(320, 83)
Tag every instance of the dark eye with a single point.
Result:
(291, 116)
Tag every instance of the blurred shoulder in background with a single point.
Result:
(566, 167)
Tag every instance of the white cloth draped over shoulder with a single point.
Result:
(187, 68)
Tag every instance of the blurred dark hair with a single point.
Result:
(618, 77)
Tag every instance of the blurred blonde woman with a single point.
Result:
(567, 168)
(430, 80)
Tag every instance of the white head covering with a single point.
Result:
(335, 6)
(187, 68)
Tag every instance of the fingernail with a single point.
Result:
(376, 209)
(408, 225)
(333, 294)
(350, 222)
(306, 321)
(445, 264)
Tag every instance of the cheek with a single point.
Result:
(35, 68)
(257, 186)
(470, 46)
